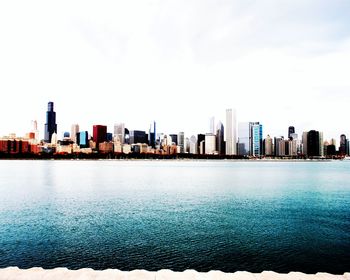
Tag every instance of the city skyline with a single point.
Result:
(177, 62)
(230, 118)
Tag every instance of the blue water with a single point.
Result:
(222, 215)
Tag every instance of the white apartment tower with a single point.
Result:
(73, 132)
(231, 132)
(119, 132)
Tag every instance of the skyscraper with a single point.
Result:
(313, 143)
(50, 125)
(99, 134)
(231, 134)
(243, 139)
(210, 144)
(152, 135)
(220, 142)
(181, 141)
(119, 132)
(255, 129)
(212, 125)
(193, 145)
(268, 146)
(343, 145)
(291, 130)
(74, 132)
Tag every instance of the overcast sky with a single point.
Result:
(177, 62)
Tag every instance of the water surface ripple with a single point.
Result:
(214, 215)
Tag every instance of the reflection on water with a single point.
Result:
(229, 216)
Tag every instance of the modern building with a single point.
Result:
(256, 139)
(109, 137)
(201, 142)
(193, 145)
(50, 125)
(313, 144)
(220, 141)
(138, 136)
(291, 130)
(181, 142)
(174, 138)
(119, 132)
(250, 142)
(231, 134)
(304, 143)
(210, 144)
(280, 146)
(83, 140)
(343, 149)
(99, 134)
(212, 125)
(74, 132)
(244, 135)
(268, 146)
(152, 135)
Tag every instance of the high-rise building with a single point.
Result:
(291, 130)
(255, 129)
(201, 143)
(187, 145)
(220, 142)
(304, 143)
(243, 139)
(83, 139)
(343, 145)
(181, 142)
(50, 125)
(268, 146)
(35, 130)
(321, 148)
(231, 134)
(280, 146)
(210, 145)
(313, 143)
(73, 132)
(138, 137)
(119, 132)
(152, 135)
(193, 145)
(174, 138)
(99, 134)
(212, 125)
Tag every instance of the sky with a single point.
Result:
(178, 62)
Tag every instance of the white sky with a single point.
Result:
(178, 62)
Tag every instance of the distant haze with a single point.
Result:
(176, 62)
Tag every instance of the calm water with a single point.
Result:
(229, 216)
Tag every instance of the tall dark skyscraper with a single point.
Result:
(313, 143)
(99, 134)
(152, 135)
(343, 145)
(291, 130)
(220, 143)
(50, 125)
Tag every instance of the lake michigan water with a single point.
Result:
(203, 215)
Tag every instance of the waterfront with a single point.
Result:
(152, 215)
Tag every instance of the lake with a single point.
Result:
(176, 214)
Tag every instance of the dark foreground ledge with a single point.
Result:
(88, 273)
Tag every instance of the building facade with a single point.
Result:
(99, 134)
(50, 125)
(231, 132)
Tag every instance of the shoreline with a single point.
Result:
(88, 273)
(156, 157)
